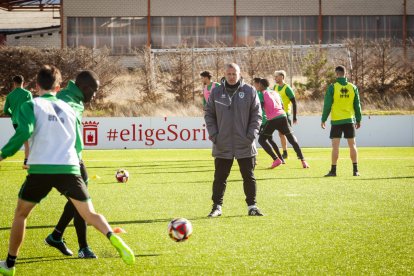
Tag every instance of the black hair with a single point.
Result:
(18, 79)
(48, 77)
(265, 83)
(340, 69)
(256, 80)
(87, 81)
(206, 74)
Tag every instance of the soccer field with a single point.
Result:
(312, 225)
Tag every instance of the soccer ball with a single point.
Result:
(180, 229)
(122, 175)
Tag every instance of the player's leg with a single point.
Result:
(22, 211)
(334, 156)
(32, 191)
(284, 127)
(283, 142)
(335, 135)
(246, 166)
(87, 211)
(74, 187)
(275, 148)
(349, 134)
(80, 225)
(221, 172)
(294, 142)
(266, 146)
(69, 213)
(354, 155)
(267, 133)
(17, 232)
(55, 239)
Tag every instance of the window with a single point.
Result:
(120, 34)
(337, 28)
(85, 32)
(410, 26)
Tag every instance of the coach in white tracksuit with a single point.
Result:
(233, 117)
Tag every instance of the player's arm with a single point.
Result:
(29, 96)
(291, 96)
(26, 122)
(357, 108)
(7, 109)
(211, 118)
(255, 117)
(327, 104)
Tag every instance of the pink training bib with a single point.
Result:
(207, 92)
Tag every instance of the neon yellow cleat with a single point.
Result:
(123, 249)
(4, 270)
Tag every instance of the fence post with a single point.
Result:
(192, 72)
(291, 64)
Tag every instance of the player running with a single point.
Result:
(277, 120)
(266, 139)
(53, 163)
(75, 94)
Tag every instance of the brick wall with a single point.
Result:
(42, 40)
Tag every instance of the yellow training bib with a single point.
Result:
(343, 102)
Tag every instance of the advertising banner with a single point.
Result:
(191, 132)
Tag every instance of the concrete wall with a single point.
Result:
(38, 39)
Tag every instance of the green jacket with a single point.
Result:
(13, 102)
(328, 101)
(26, 122)
(72, 95)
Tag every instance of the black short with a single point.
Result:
(15, 126)
(280, 124)
(84, 172)
(347, 129)
(37, 186)
(262, 128)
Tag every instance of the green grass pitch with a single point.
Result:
(313, 225)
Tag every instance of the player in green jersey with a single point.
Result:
(342, 102)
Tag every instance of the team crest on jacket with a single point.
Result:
(241, 94)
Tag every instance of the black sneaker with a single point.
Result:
(285, 155)
(330, 174)
(86, 253)
(356, 174)
(215, 212)
(255, 212)
(59, 245)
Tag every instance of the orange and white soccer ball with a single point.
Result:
(180, 229)
(122, 175)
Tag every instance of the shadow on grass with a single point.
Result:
(144, 221)
(383, 178)
(52, 259)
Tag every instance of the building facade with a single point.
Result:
(127, 24)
